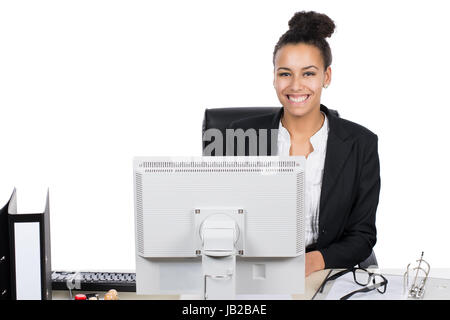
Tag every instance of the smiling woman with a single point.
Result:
(302, 59)
(342, 178)
(299, 78)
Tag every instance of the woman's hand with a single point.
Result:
(313, 262)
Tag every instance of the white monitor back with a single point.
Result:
(267, 191)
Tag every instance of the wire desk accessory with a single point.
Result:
(417, 288)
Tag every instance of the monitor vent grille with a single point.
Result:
(300, 210)
(139, 214)
(219, 170)
(218, 164)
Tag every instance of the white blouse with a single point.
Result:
(313, 176)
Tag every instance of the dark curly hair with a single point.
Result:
(310, 28)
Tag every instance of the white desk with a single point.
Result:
(438, 287)
(312, 284)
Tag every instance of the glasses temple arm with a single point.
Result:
(365, 289)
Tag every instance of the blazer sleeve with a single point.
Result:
(360, 233)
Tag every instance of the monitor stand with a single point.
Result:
(219, 234)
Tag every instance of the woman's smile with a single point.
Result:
(298, 99)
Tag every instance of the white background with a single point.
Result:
(87, 85)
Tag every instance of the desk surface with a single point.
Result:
(312, 283)
(438, 287)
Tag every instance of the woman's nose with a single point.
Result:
(297, 84)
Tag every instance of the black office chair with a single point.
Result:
(221, 118)
(370, 262)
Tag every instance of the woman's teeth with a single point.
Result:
(299, 99)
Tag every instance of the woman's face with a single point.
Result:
(299, 77)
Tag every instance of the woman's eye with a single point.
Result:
(286, 74)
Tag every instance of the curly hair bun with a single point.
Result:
(312, 25)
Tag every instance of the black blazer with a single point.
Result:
(350, 188)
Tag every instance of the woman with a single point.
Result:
(342, 165)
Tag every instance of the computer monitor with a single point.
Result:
(208, 226)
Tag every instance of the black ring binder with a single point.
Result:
(25, 270)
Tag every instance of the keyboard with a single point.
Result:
(94, 281)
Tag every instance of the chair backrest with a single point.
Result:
(221, 118)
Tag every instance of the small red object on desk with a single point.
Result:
(80, 297)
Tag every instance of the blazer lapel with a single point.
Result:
(338, 150)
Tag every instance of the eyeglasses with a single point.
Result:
(369, 280)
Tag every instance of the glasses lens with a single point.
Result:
(378, 280)
(361, 277)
